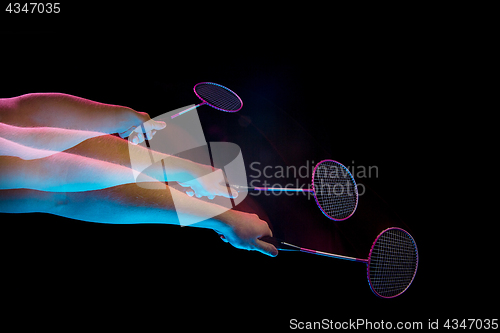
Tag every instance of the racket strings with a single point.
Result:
(335, 190)
(218, 97)
(393, 263)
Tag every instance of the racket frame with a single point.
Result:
(355, 188)
(215, 107)
(313, 190)
(290, 247)
(370, 256)
(204, 102)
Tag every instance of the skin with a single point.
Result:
(87, 176)
(98, 163)
(131, 204)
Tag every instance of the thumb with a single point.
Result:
(149, 124)
(159, 125)
(154, 125)
(234, 193)
(231, 194)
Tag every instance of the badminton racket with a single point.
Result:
(391, 265)
(333, 186)
(216, 96)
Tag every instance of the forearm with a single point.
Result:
(118, 151)
(25, 167)
(12, 149)
(63, 172)
(29, 201)
(125, 204)
(46, 138)
(62, 111)
(131, 204)
(40, 142)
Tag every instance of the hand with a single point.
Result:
(244, 231)
(207, 182)
(137, 133)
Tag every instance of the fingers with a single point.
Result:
(153, 125)
(138, 136)
(143, 127)
(222, 237)
(159, 125)
(135, 138)
(210, 194)
(234, 193)
(127, 133)
(265, 247)
(228, 192)
(261, 246)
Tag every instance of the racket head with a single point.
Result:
(218, 96)
(335, 190)
(392, 263)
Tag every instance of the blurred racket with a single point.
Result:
(333, 186)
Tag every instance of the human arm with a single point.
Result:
(60, 171)
(71, 121)
(131, 204)
(103, 165)
(71, 112)
(48, 139)
(188, 173)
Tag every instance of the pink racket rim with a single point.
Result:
(213, 106)
(316, 199)
(369, 262)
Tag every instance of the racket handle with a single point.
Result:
(270, 240)
(279, 244)
(184, 111)
(269, 189)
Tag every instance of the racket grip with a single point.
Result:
(184, 111)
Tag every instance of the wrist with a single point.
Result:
(222, 223)
(120, 118)
(185, 170)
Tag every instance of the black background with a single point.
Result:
(375, 92)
